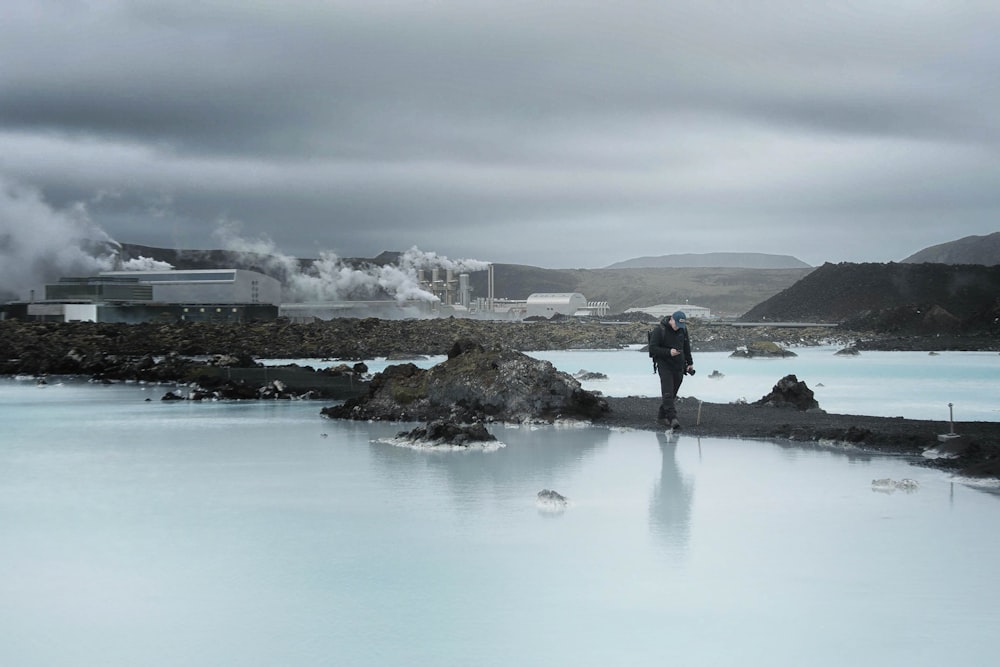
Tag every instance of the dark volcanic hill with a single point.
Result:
(911, 298)
(969, 250)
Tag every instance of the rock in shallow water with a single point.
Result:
(550, 500)
(442, 432)
(474, 385)
(789, 392)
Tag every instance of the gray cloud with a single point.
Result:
(558, 134)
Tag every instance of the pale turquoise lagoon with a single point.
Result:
(137, 532)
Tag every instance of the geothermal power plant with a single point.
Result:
(235, 295)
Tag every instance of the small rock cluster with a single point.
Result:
(239, 391)
(551, 501)
(762, 348)
(444, 432)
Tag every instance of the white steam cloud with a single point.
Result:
(329, 278)
(141, 263)
(39, 244)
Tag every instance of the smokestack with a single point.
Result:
(463, 289)
(489, 289)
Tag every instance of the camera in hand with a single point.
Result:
(688, 371)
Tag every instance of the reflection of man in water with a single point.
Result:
(670, 507)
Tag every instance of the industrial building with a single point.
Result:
(451, 290)
(569, 304)
(204, 286)
(446, 294)
(223, 295)
(236, 295)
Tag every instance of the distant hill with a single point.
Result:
(983, 250)
(728, 260)
(728, 292)
(909, 298)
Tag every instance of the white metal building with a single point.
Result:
(560, 303)
(207, 286)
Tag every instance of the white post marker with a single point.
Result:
(950, 435)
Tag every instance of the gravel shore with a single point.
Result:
(976, 452)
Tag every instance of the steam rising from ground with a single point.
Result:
(329, 278)
(39, 244)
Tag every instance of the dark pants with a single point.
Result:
(670, 384)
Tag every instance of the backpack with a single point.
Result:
(649, 343)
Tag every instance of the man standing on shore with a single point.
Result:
(671, 351)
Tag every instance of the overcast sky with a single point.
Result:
(556, 134)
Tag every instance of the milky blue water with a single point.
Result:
(137, 532)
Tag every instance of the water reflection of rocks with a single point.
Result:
(670, 506)
(534, 456)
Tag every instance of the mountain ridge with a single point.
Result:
(729, 260)
(983, 250)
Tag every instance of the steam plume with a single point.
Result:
(40, 244)
(329, 278)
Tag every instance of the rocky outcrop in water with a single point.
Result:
(889, 485)
(790, 392)
(551, 501)
(762, 348)
(588, 376)
(474, 384)
(240, 390)
(444, 432)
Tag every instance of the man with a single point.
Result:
(671, 351)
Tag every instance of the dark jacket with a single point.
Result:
(664, 338)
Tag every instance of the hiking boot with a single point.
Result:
(674, 424)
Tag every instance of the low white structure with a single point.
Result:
(662, 310)
(560, 303)
(63, 312)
